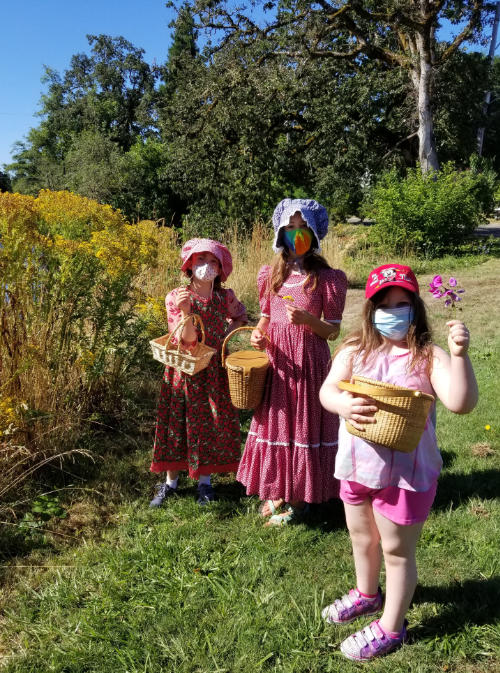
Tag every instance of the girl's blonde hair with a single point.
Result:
(366, 340)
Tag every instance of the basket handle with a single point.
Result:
(231, 334)
(374, 391)
(196, 319)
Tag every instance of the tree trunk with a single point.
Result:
(422, 81)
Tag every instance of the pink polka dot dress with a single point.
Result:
(292, 442)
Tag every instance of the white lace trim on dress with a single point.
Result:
(304, 446)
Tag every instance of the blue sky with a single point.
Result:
(35, 33)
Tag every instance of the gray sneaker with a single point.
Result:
(206, 494)
(162, 491)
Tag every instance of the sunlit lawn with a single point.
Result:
(186, 589)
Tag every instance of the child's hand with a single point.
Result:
(458, 338)
(297, 316)
(183, 301)
(258, 340)
(357, 410)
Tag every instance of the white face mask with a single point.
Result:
(205, 271)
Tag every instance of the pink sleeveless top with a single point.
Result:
(376, 466)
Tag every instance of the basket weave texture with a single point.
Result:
(246, 372)
(401, 416)
(189, 362)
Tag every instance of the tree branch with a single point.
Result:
(398, 144)
(466, 32)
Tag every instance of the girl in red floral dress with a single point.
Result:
(289, 457)
(197, 428)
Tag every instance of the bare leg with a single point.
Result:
(173, 474)
(398, 545)
(365, 541)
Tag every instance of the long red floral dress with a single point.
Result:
(197, 427)
(292, 443)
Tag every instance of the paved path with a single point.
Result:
(490, 229)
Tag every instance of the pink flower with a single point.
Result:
(439, 290)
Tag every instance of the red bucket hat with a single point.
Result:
(196, 245)
(389, 275)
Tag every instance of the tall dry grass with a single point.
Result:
(68, 334)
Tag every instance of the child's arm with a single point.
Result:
(178, 304)
(298, 316)
(452, 375)
(258, 340)
(236, 312)
(357, 410)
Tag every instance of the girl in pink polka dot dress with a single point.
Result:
(289, 457)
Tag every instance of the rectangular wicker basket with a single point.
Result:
(189, 362)
(401, 416)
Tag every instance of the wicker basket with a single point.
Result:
(246, 371)
(189, 362)
(401, 416)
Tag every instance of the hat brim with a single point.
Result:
(224, 257)
(399, 283)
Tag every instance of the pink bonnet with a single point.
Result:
(197, 245)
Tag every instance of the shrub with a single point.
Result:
(429, 214)
(70, 338)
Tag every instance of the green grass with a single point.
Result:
(210, 591)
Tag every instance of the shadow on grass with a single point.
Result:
(454, 489)
(327, 516)
(449, 457)
(463, 603)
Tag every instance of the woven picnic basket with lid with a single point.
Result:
(190, 362)
(401, 416)
(246, 372)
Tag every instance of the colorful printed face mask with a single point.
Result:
(298, 240)
(393, 323)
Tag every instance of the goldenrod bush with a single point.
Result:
(71, 274)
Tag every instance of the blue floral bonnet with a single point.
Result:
(313, 213)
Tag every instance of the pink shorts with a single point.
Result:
(396, 504)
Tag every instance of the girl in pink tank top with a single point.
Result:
(388, 494)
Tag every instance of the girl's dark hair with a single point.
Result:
(280, 270)
(367, 339)
(217, 280)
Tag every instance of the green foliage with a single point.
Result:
(92, 116)
(70, 338)
(430, 214)
(458, 102)
(220, 136)
(5, 182)
(42, 510)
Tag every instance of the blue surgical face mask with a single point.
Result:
(393, 323)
